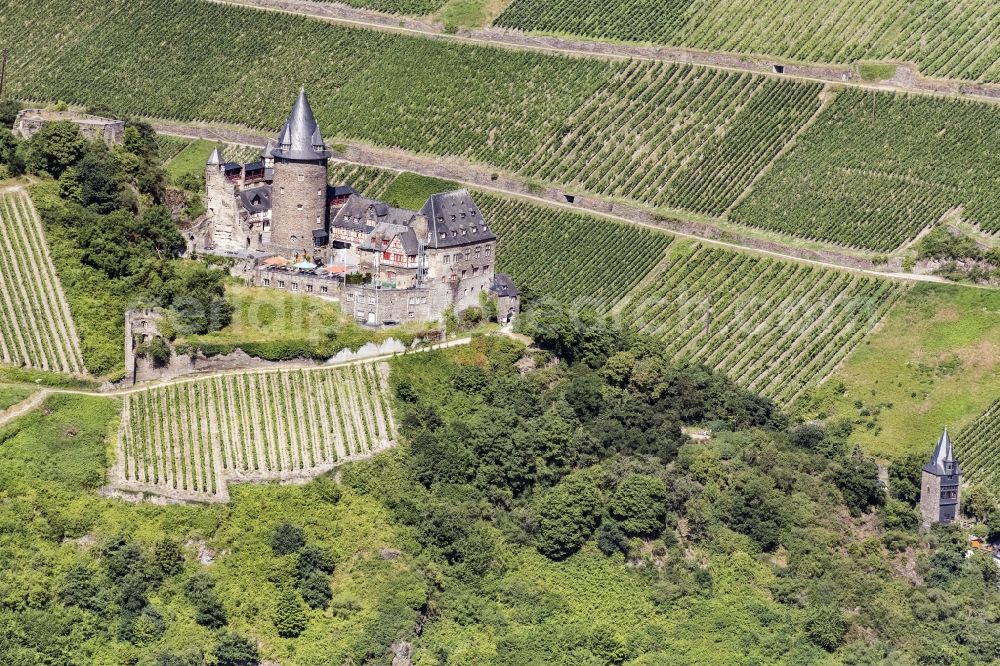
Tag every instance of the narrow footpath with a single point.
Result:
(36, 399)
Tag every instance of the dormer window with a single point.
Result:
(463, 216)
(454, 234)
(452, 218)
(463, 231)
(443, 235)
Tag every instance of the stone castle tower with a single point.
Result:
(219, 202)
(940, 485)
(298, 194)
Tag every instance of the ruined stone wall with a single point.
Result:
(30, 121)
(220, 209)
(298, 203)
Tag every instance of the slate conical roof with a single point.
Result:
(942, 462)
(300, 138)
(214, 159)
(269, 149)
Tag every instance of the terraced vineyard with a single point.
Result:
(190, 439)
(578, 259)
(953, 38)
(678, 136)
(36, 328)
(877, 168)
(774, 326)
(367, 181)
(976, 447)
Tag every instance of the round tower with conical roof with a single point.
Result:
(298, 191)
(940, 485)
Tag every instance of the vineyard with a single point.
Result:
(950, 38)
(367, 181)
(976, 448)
(684, 137)
(411, 7)
(932, 156)
(190, 439)
(36, 328)
(577, 259)
(774, 326)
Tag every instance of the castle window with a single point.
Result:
(281, 284)
(371, 300)
(463, 274)
(411, 314)
(478, 251)
(475, 270)
(319, 193)
(281, 190)
(454, 234)
(295, 286)
(489, 249)
(309, 288)
(463, 216)
(458, 258)
(350, 298)
(324, 289)
(467, 254)
(299, 207)
(267, 282)
(444, 235)
(447, 259)
(486, 269)
(302, 177)
(318, 220)
(423, 300)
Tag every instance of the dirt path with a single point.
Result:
(37, 398)
(480, 177)
(907, 78)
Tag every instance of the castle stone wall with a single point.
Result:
(30, 121)
(220, 206)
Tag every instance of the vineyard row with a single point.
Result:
(189, 440)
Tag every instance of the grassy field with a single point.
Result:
(934, 361)
(190, 161)
(411, 190)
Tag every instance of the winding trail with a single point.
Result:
(36, 399)
(481, 177)
(907, 79)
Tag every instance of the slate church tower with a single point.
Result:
(298, 190)
(940, 485)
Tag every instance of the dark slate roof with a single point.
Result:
(943, 454)
(361, 214)
(232, 166)
(254, 166)
(389, 230)
(453, 218)
(214, 159)
(342, 191)
(320, 234)
(503, 285)
(300, 138)
(256, 199)
(269, 149)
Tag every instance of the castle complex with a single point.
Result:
(940, 485)
(294, 231)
